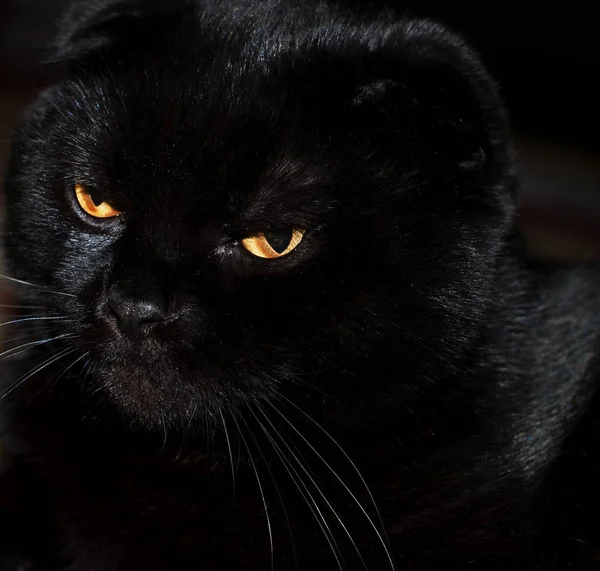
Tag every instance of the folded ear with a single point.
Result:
(425, 88)
(90, 27)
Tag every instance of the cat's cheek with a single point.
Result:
(82, 269)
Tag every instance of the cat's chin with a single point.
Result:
(145, 385)
(150, 396)
(158, 390)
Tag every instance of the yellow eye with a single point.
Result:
(274, 244)
(92, 205)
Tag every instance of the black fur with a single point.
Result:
(405, 390)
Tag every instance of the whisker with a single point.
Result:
(207, 428)
(28, 334)
(186, 432)
(26, 319)
(22, 282)
(384, 542)
(57, 378)
(86, 368)
(16, 315)
(262, 493)
(320, 391)
(31, 327)
(98, 389)
(86, 354)
(36, 370)
(310, 502)
(18, 350)
(285, 512)
(229, 449)
(22, 306)
(314, 483)
(164, 426)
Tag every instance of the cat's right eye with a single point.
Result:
(92, 204)
(271, 245)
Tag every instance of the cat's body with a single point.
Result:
(401, 389)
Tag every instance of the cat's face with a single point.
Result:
(226, 228)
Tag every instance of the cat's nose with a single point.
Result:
(136, 313)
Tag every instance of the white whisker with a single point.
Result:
(64, 371)
(229, 449)
(36, 370)
(29, 333)
(18, 315)
(295, 456)
(26, 319)
(262, 493)
(285, 512)
(24, 346)
(22, 306)
(164, 426)
(318, 489)
(55, 380)
(22, 282)
(383, 541)
(186, 432)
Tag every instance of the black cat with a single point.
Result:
(273, 309)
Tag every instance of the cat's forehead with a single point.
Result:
(217, 107)
(177, 137)
(245, 112)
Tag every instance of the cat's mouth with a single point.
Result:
(152, 380)
(145, 383)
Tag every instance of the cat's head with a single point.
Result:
(243, 198)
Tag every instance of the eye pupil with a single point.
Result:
(279, 240)
(95, 195)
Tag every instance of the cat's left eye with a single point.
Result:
(93, 204)
(274, 244)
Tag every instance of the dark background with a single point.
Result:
(545, 59)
